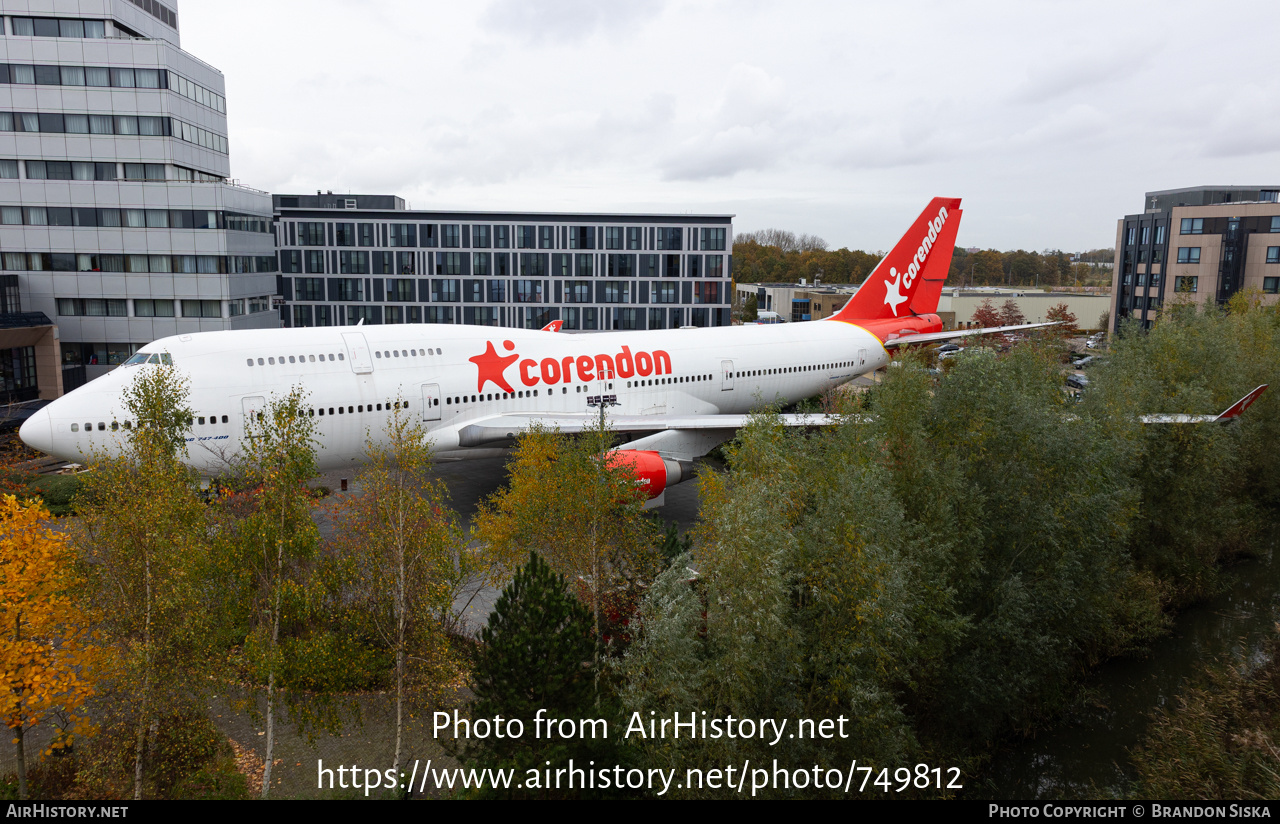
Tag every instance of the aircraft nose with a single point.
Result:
(37, 432)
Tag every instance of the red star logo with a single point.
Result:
(491, 365)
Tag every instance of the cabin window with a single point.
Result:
(75, 427)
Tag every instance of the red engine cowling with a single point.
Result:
(650, 469)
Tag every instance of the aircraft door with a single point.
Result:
(253, 406)
(726, 369)
(862, 361)
(358, 353)
(430, 402)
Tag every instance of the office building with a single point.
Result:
(1201, 244)
(116, 218)
(345, 259)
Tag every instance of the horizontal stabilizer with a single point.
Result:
(1232, 412)
(933, 337)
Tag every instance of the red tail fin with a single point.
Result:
(936, 270)
(902, 272)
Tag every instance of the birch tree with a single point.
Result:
(276, 537)
(403, 545)
(144, 532)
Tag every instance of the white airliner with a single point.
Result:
(675, 393)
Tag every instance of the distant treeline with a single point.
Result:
(780, 256)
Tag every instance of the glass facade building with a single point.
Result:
(116, 216)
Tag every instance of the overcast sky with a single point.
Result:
(1050, 120)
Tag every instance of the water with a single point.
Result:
(1086, 756)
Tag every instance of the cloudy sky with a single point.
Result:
(1050, 120)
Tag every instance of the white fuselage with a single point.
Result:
(451, 376)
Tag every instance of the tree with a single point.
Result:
(145, 534)
(1061, 314)
(751, 310)
(277, 537)
(1011, 314)
(986, 315)
(535, 655)
(47, 650)
(404, 546)
(578, 505)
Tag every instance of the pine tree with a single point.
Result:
(536, 655)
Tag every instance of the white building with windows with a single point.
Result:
(116, 217)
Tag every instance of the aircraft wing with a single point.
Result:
(500, 428)
(930, 337)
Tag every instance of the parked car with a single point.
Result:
(1077, 382)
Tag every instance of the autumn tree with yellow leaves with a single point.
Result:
(47, 647)
(571, 501)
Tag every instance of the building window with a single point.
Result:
(369, 314)
(201, 309)
(525, 237)
(1159, 234)
(353, 263)
(365, 235)
(452, 264)
(1273, 254)
(345, 289)
(613, 237)
(671, 239)
(713, 240)
(480, 237)
(1131, 236)
(314, 260)
(309, 288)
(310, 234)
(1192, 226)
(617, 291)
(444, 291)
(402, 235)
(1269, 196)
(1146, 235)
(501, 239)
(452, 236)
(546, 237)
(1271, 285)
(715, 266)
(153, 308)
(580, 237)
(1186, 284)
(497, 291)
(401, 290)
(1275, 223)
(384, 263)
(633, 238)
(527, 291)
(1189, 254)
(585, 265)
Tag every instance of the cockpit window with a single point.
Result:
(141, 357)
(166, 359)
